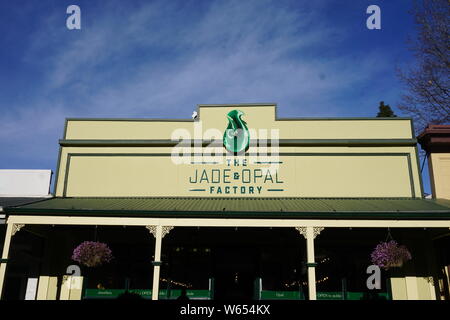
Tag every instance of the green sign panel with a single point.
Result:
(280, 295)
(145, 293)
(295, 295)
(236, 138)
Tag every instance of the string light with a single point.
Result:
(177, 283)
(322, 280)
(297, 283)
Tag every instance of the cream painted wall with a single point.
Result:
(380, 175)
(311, 172)
(440, 164)
(301, 176)
(47, 288)
(413, 288)
(398, 287)
(257, 117)
(71, 288)
(341, 172)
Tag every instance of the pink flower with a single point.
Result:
(92, 253)
(389, 254)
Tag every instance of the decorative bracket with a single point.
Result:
(152, 230)
(301, 230)
(16, 228)
(165, 230)
(316, 231)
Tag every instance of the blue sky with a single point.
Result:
(162, 58)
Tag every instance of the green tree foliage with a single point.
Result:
(385, 111)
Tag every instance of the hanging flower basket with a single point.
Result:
(92, 253)
(389, 255)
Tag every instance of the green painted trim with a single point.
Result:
(59, 157)
(339, 119)
(268, 162)
(204, 162)
(135, 142)
(65, 128)
(413, 131)
(416, 150)
(312, 264)
(4, 260)
(57, 170)
(441, 202)
(354, 215)
(276, 119)
(131, 119)
(70, 155)
(345, 142)
(66, 174)
(411, 176)
(106, 154)
(422, 191)
(253, 143)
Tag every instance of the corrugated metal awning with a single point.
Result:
(365, 208)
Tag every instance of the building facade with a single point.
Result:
(234, 203)
(21, 187)
(435, 140)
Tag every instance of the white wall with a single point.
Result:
(25, 183)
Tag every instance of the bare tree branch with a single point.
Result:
(427, 97)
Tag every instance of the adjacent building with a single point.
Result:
(21, 187)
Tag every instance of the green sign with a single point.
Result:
(145, 293)
(280, 295)
(114, 293)
(296, 295)
(350, 295)
(330, 295)
(236, 138)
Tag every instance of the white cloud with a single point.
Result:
(161, 59)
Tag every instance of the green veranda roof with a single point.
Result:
(355, 208)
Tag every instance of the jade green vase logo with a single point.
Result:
(236, 137)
